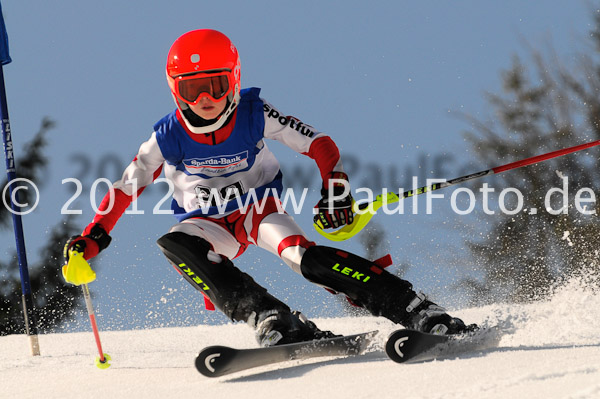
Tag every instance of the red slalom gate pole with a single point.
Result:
(498, 169)
(544, 157)
(362, 218)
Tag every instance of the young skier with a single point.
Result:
(212, 149)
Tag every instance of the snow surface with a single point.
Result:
(551, 350)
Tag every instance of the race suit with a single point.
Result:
(214, 173)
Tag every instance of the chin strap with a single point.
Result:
(198, 121)
(211, 127)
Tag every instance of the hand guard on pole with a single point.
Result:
(335, 206)
(76, 270)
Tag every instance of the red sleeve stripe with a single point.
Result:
(324, 151)
(121, 203)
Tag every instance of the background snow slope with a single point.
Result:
(552, 350)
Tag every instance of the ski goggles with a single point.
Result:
(191, 88)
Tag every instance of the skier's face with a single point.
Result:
(208, 109)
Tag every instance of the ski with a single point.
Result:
(406, 345)
(216, 361)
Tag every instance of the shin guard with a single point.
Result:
(233, 292)
(365, 283)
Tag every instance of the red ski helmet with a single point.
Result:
(203, 63)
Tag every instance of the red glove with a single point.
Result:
(335, 206)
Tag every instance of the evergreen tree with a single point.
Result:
(54, 301)
(544, 107)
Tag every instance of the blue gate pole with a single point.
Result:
(28, 310)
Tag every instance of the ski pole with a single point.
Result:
(78, 271)
(102, 360)
(366, 210)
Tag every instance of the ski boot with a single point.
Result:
(277, 327)
(428, 317)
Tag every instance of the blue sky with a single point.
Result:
(386, 79)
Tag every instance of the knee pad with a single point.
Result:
(365, 283)
(233, 292)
